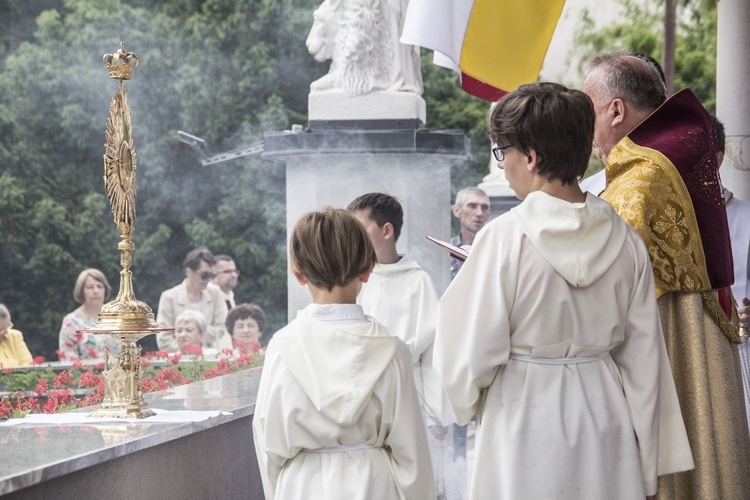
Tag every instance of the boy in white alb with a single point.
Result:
(550, 333)
(337, 415)
(401, 296)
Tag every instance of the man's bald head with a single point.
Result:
(630, 78)
(625, 89)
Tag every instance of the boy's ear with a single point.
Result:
(388, 230)
(301, 278)
(366, 275)
(532, 159)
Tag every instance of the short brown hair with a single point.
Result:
(381, 208)
(553, 120)
(195, 256)
(81, 281)
(330, 248)
(244, 311)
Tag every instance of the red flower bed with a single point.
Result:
(83, 386)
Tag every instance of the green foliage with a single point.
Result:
(223, 70)
(25, 380)
(641, 30)
(215, 68)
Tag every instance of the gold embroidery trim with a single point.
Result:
(729, 326)
(645, 188)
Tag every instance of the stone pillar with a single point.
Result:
(733, 93)
(331, 163)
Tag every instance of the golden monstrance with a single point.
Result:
(125, 319)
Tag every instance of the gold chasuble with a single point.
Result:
(663, 180)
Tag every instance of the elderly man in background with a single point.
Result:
(226, 275)
(472, 209)
(194, 293)
(662, 178)
(13, 350)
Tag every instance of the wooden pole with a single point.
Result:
(670, 15)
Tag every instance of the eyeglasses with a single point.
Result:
(499, 151)
(230, 271)
(205, 276)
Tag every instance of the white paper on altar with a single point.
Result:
(77, 418)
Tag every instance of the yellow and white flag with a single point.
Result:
(495, 45)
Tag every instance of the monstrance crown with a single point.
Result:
(121, 64)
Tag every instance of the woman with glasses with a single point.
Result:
(550, 332)
(91, 290)
(195, 293)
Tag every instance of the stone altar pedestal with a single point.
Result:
(333, 162)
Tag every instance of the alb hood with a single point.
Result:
(405, 265)
(336, 367)
(580, 241)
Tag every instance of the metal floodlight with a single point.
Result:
(208, 159)
(195, 142)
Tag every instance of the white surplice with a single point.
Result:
(738, 217)
(556, 280)
(337, 415)
(402, 297)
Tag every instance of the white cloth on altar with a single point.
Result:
(553, 279)
(84, 418)
(337, 415)
(402, 297)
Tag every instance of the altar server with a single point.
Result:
(337, 414)
(550, 333)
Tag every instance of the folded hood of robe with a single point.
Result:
(580, 241)
(337, 367)
(403, 266)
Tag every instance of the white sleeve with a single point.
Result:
(473, 330)
(270, 461)
(410, 454)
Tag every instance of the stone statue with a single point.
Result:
(361, 37)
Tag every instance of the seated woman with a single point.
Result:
(190, 330)
(91, 290)
(245, 322)
(13, 350)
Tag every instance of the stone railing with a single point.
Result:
(214, 458)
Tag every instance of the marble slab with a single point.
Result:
(38, 453)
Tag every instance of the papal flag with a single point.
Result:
(495, 45)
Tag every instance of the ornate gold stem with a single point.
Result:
(125, 319)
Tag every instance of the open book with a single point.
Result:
(457, 253)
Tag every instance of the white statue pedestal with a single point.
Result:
(331, 163)
(377, 105)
